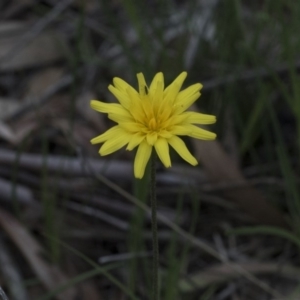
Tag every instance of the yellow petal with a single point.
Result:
(200, 133)
(162, 150)
(184, 104)
(157, 97)
(121, 96)
(151, 138)
(165, 134)
(143, 89)
(178, 81)
(132, 127)
(172, 94)
(141, 159)
(180, 147)
(181, 130)
(159, 77)
(189, 91)
(198, 118)
(115, 143)
(175, 120)
(147, 107)
(110, 133)
(123, 86)
(136, 108)
(106, 107)
(165, 110)
(135, 140)
(124, 116)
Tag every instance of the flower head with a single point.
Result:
(153, 116)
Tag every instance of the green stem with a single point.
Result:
(154, 228)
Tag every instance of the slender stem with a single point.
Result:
(154, 228)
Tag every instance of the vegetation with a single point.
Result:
(75, 225)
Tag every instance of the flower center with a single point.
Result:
(152, 125)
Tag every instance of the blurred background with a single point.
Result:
(71, 223)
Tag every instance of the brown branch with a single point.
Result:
(248, 75)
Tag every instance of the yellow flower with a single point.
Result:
(153, 116)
